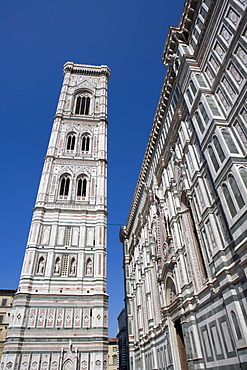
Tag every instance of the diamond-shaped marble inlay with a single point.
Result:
(98, 317)
(98, 363)
(9, 365)
(86, 318)
(77, 318)
(19, 316)
(50, 317)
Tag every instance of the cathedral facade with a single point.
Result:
(60, 312)
(185, 240)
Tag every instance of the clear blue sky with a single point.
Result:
(37, 38)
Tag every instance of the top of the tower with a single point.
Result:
(86, 70)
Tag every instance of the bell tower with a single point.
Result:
(59, 317)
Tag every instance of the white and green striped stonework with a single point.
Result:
(185, 240)
(60, 312)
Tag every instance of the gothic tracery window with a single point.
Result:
(64, 185)
(70, 142)
(82, 104)
(85, 143)
(81, 187)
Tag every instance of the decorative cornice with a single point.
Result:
(181, 32)
(86, 70)
(154, 134)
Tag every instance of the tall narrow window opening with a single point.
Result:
(203, 112)
(82, 105)
(70, 142)
(229, 200)
(64, 186)
(243, 173)
(236, 325)
(85, 143)
(82, 187)
(229, 141)
(218, 149)
(213, 158)
(199, 122)
(236, 192)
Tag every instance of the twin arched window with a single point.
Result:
(85, 143)
(71, 140)
(82, 105)
(81, 187)
(64, 185)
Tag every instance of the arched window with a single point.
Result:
(89, 267)
(236, 192)
(82, 105)
(70, 142)
(81, 187)
(236, 325)
(85, 143)
(243, 173)
(193, 88)
(41, 265)
(203, 112)
(229, 201)
(114, 358)
(171, 292)
(199, 122)
(57, 265)
(218, 149)
(64, 185)
(229, 141)
(213, 158)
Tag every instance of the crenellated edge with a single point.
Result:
(86, 70)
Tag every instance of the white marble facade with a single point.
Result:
(185, 239)
(60, 313)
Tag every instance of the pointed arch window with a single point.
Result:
(70, 142)
(64, 186)
(85, 144)
(82, 105)
(81, 188)
(229, 200)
